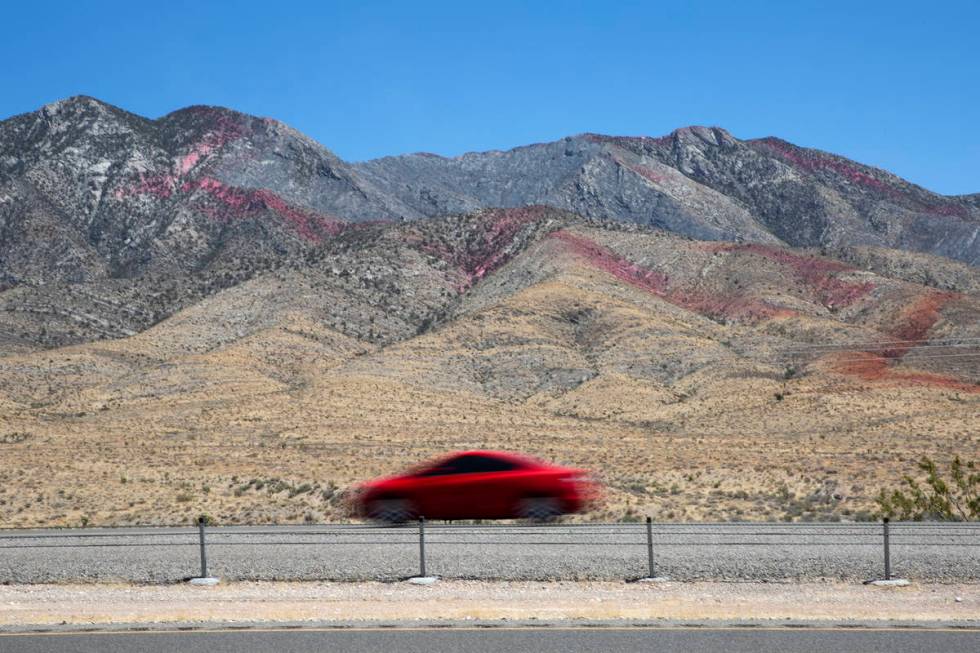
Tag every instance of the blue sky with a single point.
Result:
(893, 84)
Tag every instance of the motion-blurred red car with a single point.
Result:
(476, 485)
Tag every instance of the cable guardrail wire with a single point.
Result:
(785, 548)
(589, 535)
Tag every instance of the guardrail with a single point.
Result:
(643, 549)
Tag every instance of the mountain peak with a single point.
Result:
(74, 102)
(206, 111)
(712, 135)
(80, 105)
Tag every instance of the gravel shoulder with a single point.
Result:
(24, 606)
(946, 553)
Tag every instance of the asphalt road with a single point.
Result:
(937, 552)
(544, 640)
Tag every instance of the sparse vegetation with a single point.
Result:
(953, 496)
(672, 398)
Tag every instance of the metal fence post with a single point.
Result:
(204, 555)
(888, 557)
(422, 547)
(650, 573)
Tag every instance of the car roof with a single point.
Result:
(504, 455)
(521, 459)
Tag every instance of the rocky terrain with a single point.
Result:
(110, 222)
(700, 182)
(210, 312)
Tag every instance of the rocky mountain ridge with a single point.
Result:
(701, 182)
(111, 222)
(89, 190)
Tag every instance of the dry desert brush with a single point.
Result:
(955, 497)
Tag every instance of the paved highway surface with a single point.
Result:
(543, 640)
(330, 552)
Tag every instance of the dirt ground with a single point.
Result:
(466, 600)
(728, 456)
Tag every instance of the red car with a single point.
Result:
(476, 485)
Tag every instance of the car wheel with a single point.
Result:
(391, 511)
(539, 508)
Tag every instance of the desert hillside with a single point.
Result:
(698, 379)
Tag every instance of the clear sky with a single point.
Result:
(894, 84)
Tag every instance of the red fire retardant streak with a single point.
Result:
(491, 249)
(500, 233)
(225, 130)
(916, 321)
(913, 326)
(239, 203)
(874, 367)
(309, 224)
(604, 259)
(815, 272)
(238, 199)
(738, 307)
(812, 162)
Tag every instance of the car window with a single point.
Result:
(471, 464)
(475, 464)
(440, 470)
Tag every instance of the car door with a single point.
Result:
(431, 489)
(481, 488)
(468, 486)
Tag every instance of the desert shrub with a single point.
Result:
(948, 497)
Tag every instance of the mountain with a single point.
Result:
(90, 191)
(110, 194)
(700, 182)
(109, 222)
(211, 313)
(152, 215)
